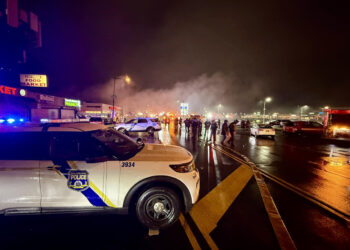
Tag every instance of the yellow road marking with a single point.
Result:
(283, 237)
(207, 212)
(229, 155)
(189, 232)
(281, 232)
(341, 214)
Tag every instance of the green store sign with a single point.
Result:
(72, 103)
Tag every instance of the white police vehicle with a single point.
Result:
(139, 125)
(83, 167)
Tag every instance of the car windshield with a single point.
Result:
(120, 145)
(340, 119)
(132, 121)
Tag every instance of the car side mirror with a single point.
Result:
(139, 141)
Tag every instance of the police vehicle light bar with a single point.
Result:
(11, 121)
(63, 120)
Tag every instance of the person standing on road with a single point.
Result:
(187, 125)
(199, 127)
(248, 124)
(231, 129)
(224, 131)
(206, 126)
(214, 127)
(194, 127)
(180, 122)
(219, 123)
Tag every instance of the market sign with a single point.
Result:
(7, 90)
(72, 103)
(30, 80)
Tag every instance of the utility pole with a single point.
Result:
(267, 99)
(113, 96)
(264, 113)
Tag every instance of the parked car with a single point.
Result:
(303, 127)
(139, 124)
(260, 130)
(280, 123)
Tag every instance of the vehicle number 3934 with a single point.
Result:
(128, 164)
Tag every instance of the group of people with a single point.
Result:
(194, 125)
(228, 132)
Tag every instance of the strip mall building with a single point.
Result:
(31, 106)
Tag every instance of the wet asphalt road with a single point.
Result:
(317, 166)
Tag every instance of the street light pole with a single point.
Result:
(264, 113)
(301, 111)
(219, 107)
(126, 80)
(267, 99)
(113, 96)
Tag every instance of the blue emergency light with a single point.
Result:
(10, 120)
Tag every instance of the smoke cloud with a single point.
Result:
(203, 94)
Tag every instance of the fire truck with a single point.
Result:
(336, 122)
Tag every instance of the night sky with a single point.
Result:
(295, 51)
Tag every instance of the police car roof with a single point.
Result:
(72, 127)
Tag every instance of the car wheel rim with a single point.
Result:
(159, 208)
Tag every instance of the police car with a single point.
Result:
(83, 167)
(139, 125)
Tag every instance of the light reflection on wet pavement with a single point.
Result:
(312, 164)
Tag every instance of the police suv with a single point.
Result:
(82, 167)
(139, 125)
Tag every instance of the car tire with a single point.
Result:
(122, 130)
(150, 131)
(163, 199)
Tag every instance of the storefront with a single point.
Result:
(102, 110)
(15, 103)
(31, 106)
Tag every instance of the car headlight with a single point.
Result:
(184, 168)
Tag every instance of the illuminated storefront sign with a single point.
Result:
(72, 103)
(7, 90)
(22, 92)
(47, 98)
(29, 80)
(115, 108)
